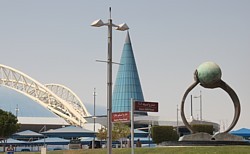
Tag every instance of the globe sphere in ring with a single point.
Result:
(209, 73)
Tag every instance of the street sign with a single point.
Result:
(146, 106)
(120, 116)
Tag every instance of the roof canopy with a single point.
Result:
(139, 133)
(11, 141)
(69, 132)
(244, 132)
(27, 134)
(52, 141)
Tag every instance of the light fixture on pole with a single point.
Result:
(121, 27)
(200, 96)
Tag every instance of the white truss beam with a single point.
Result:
(57, 98)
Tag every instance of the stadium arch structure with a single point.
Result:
(55, 97)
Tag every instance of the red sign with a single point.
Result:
(146, 106)
(120, 116)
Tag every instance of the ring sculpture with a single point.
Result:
(208, 74)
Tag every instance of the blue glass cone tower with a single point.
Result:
(127, 83)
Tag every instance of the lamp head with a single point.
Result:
(122, 27)
(97, 23)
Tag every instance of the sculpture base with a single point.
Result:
(203, 143)
(205, 139)
(208, 137)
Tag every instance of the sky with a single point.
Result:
(53, 42)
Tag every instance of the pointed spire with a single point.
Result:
(127, 83)
(127, 38)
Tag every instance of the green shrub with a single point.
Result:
(203, 128)
(163, 133)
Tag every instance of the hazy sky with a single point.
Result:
(53, 42)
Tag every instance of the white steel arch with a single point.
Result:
(24, 84)
(69, 96)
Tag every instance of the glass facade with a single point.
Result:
(127, 83)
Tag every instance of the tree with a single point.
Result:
(119, 131)
(163, 133)
(102, 133)
(203, 128)
(8, 124)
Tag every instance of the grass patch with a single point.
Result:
(159, 150)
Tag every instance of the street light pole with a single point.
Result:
(93, 143)
(109, 76)
(192, 107)
(177, 121)
(200, 106)
(17, 109)
(121, 27)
